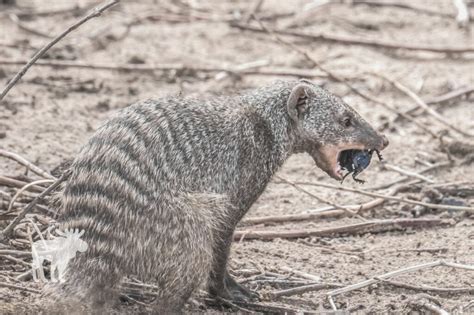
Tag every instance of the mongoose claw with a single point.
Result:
(238, 291)
(234, 292)
(243, 294)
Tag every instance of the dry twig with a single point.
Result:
(14, 253)
(95, 13)
(320, 199)
(432, 308)
(273, 309)
(357, 41)
(450, 95)
(388, 275)
(14, 18)
(255, 9)
(9, 229)
(327, 213)
(178, 67)
(401, 6)
(424, 288)
(73, 9)
(16, 260)
(403, 179)
(301, 274)
(20, 191)
(423, 105)
(11, 182)
(35, 169)
(303, 289)
(17, 287)
(407, 173)
(371, 194)
(352, 229)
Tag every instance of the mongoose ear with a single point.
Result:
(297, 101)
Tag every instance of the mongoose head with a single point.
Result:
(327, 126)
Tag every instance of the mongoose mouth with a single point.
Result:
(344, 159)
(329, 158)
(335, 160)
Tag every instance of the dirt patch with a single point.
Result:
(54, 110)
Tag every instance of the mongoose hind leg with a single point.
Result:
(181, 256)
(94, 299)
(90, 287)
(221, 283)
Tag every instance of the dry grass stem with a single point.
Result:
(95, 13)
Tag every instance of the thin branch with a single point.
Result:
(76, 9)
(401, 6)
(273, 309)
(442, 98)
(320, 199)
(352, 229)
(11, 182)
(371, 194)
(241, 67)
(423, 105)
(304, 289)
(14, 253)
(424, 288)
(450, 95)
(357, 41)
(255, 9)
(9, 229)
(16, 260)
(14, 18)
(387, 275)
(329, 213)
(96, 12)
(407, 173)
(35, 169)
(432, 308)
(17, 287)
(20, 191)
(403, 179)
(17, 45)
(179, 67)
(301, 274)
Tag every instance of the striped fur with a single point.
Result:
(160, 187)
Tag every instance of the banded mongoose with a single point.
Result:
(160, 188)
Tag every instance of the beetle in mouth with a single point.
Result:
(355, 162)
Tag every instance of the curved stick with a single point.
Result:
(96, 12)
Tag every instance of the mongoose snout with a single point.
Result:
(160, 187)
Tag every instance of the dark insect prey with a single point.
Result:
(356, 161)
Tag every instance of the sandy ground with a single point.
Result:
(51, 112)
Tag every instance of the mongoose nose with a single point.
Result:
(384, 142)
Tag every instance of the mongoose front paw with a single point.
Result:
(235, 295)
(238, 291)
(233, 291)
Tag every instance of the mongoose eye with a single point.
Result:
(347, 122)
